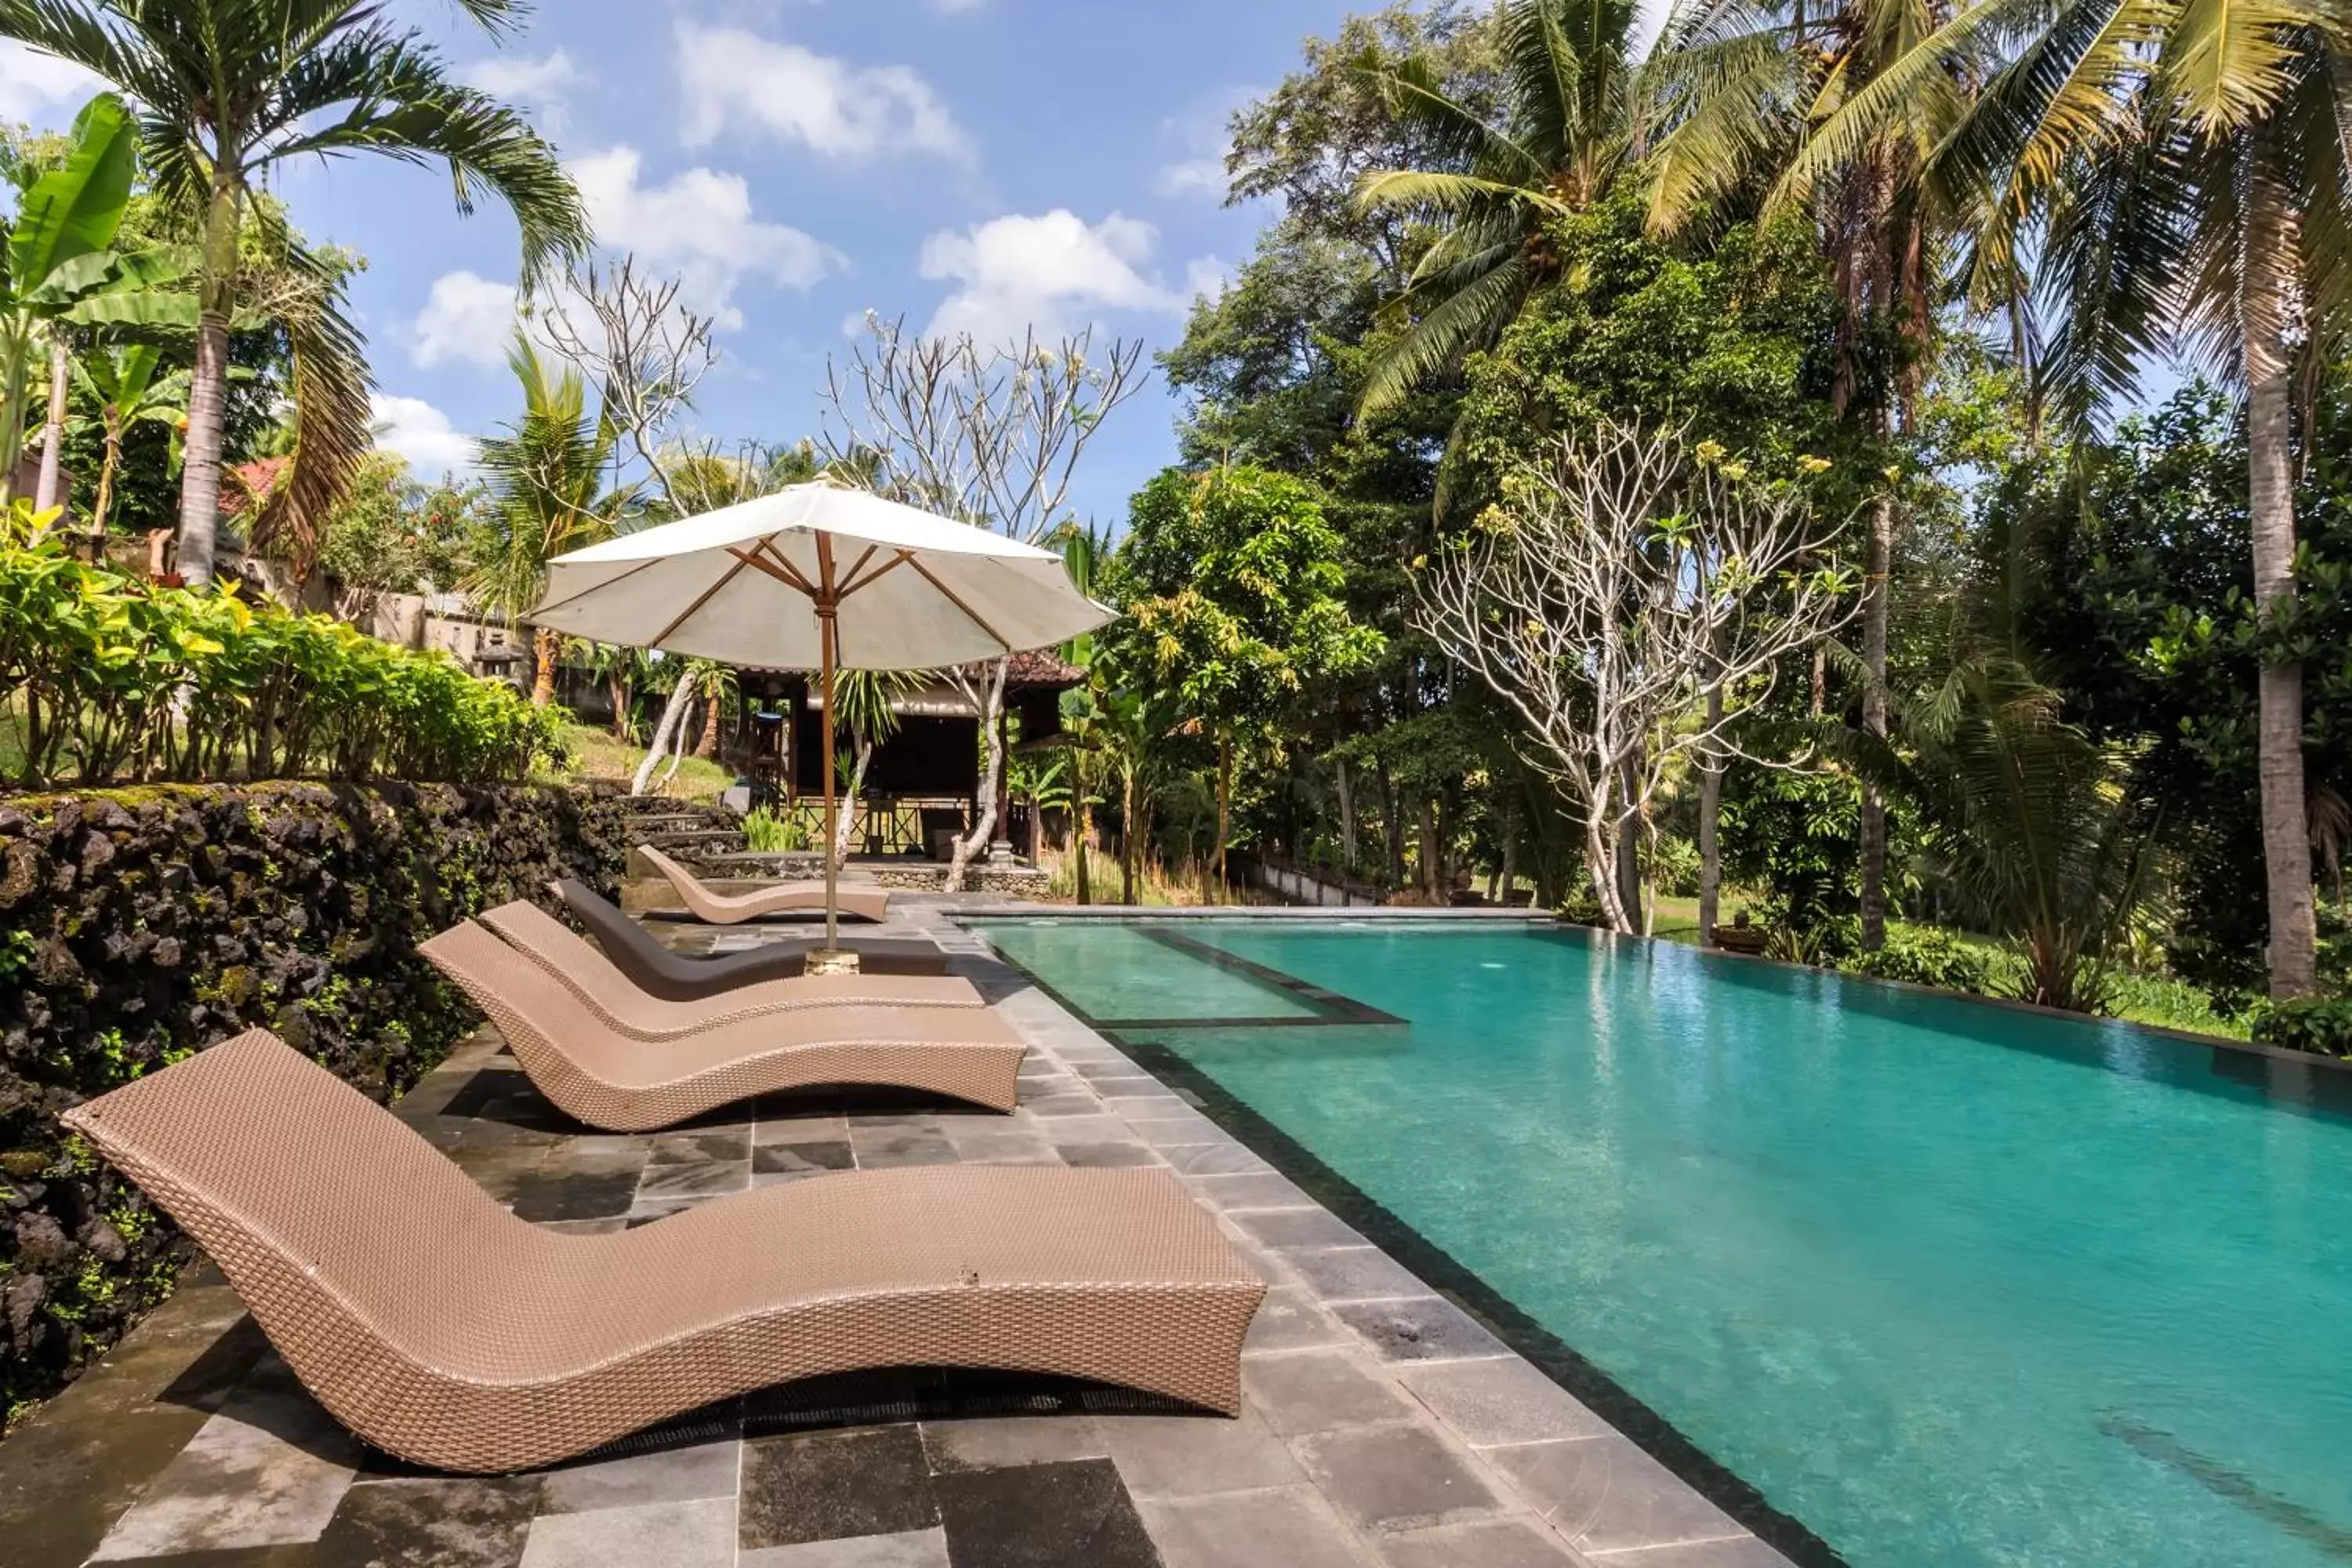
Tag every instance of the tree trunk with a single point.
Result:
(1225, 803)
(847, 828)
(1710, 815)
(200, 480)
(1131, 840)
(617, 693)
(51, 488)
(543, 645)
(1424, 851)
(709, 745)
(2286, 831)
(665, 733)
(991, 781)
(1392, 827)
(1876, 602)
(103, 507)
(1507, 876)
(1629, 844)
(1086, 827)
(1347, 822)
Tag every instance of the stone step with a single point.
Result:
(694, 846)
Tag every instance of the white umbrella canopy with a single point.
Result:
(743, 586)
(761, 583)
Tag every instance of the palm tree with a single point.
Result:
(868, 701)
(1822, 108)
(2182, 178)
(547, 478)
(1564, 141)
(122, 385)
(228, 90)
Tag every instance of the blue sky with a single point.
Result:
(973, 163)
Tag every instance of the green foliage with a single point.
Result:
(116, 681)
(768, 834)
(2322, 1026)
(390, 534)
(1791, 836)
(1926, 956)
(1232, 581)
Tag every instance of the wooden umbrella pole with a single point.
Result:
(828, 623)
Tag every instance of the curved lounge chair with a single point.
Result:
(600, 1076)
(673, 977)
(550, 943)
(445, 1330)
(865, 901)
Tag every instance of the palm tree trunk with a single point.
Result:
(103, 507)
(200, 481)
(542, 653)
(1347, 821)
(2287, 834)
(51, 485)
(1877, 596)
(1710, 817)
(1085, 830)
(1224, 803)
(709, 745)
(1131, 840)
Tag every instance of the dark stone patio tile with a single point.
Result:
(66, 1479)
(711, 1145)
(456, 1522)
(1606, 1495)
(1191, 1455)
(1003, 1147)
(1043, 1516)
(1503, 1401)
(1429, 1328)
(888, 1152)
(821, 1486)
(1289, 1229)
(1068, 1130)
(1210, 1159)
(1395, 1478)
(1293, 1527)
(897, 1120)
(665, 1475)
(672, 1184)
(1176, 1132)
(807, 1128)
(1355, 1274)
(1104, 1156)
(1288, 1320)
(1491, 1544)
(1263, 1190)
(1740, 1551)
(698, 1534)
(1053, 1106)
(604, 1227)
(914, 1549)
(801, 1159)
(1315, 1391)
(503, 1171)
(544, 1197)
(993, 1443)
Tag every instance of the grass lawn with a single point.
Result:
(595, 754)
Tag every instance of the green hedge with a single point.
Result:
(138, 925)
(104, 678)
(2322, 1026)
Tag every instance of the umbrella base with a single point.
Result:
(830, 961)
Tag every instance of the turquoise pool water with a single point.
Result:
(1951, 1284)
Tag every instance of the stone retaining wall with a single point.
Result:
(138, 925)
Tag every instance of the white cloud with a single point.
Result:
(466, 317)
(1208, 277)
(31, 82)
(1053, 272)
(729, 77)
(422, 434)
(699, 227)
(543, 86)
(1194, 177)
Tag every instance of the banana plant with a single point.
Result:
(61, 270)
(122, 383)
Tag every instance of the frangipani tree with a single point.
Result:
(1620, 589)
(227, 90)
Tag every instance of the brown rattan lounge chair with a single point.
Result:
(674, 976)
(443, 1330)
(547, 941)
(598, 1075)
(864, 900)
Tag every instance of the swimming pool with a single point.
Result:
(1949, 1283)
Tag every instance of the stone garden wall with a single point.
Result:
(138, 925)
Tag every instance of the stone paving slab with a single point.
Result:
(1383, 1424)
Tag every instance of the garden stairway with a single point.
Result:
(692, 832)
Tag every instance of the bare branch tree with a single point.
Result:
(1620, 588)
(991, 437)
(644, 352)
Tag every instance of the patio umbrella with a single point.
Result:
(822, 576)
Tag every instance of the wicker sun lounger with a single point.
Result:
(865, 901)
(443, 1330)
(673, 977)
(598, 1075)
(547, 941)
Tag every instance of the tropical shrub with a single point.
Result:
(766, 833)
(113, 679)
(2322, 1026)
(1927, 957)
